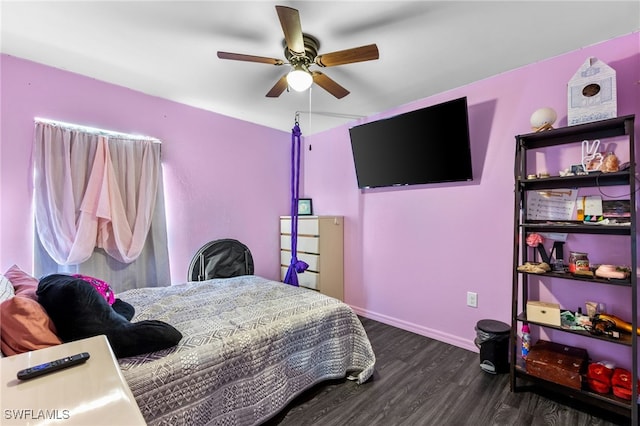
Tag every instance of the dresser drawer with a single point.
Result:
(305, 226)
(306, 279)
(305, 244)
(320, 245)
(311, 259)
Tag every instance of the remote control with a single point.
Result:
(49, 367)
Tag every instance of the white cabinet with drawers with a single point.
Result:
(320, 244)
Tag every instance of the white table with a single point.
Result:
(92, 393)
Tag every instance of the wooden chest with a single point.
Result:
(561, 364)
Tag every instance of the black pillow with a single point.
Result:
(124, 309)
(78, 311)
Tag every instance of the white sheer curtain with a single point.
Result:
(99, 207)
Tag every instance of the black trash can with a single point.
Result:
(492, 337)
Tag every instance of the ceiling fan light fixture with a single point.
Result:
(299, 79)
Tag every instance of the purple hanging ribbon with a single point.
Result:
(296, 266)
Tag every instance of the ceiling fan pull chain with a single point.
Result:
(309, 116)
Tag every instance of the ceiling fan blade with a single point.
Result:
(290, 21)
(348, 56)
(329, 85)
(249, 58)
(278, 88)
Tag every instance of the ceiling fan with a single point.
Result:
(301, 52)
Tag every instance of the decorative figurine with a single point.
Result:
(591, 157)
(610, 163)
(543, 119)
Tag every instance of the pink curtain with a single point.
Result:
(93, 190)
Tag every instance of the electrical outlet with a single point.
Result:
(472, 299)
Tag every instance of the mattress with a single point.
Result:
(250, 345)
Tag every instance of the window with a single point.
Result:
(99, 206)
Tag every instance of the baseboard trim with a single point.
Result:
(418, 329)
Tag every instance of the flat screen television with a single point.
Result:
(428, 145)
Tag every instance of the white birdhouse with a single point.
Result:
(592, 93)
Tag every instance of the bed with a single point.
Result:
(250, 345)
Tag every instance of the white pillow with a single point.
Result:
(6, 289)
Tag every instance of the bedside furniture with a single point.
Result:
(320, 244)
(92, 393)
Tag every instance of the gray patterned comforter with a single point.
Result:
(250, 346)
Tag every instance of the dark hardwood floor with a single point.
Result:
(421, 381)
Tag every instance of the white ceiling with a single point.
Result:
(168, 48)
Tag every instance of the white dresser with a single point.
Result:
(320, 244)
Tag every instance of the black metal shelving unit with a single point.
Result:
(615, 127)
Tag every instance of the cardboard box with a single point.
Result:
(557, 363)
(543, 312)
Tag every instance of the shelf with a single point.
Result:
(575, 228)
(594, 179)
(620, 131)
(625, 338)
(568, 276)
(607, 402)
(610, 128)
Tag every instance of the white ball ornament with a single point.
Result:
(543, 119)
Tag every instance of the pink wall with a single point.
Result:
(412, 253)
(224, 178)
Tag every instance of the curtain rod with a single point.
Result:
(331, 114)
(95, 130)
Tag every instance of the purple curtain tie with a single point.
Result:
(296, 266)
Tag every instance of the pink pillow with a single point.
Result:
(103, 288)
(25, 326)
(24, 284)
